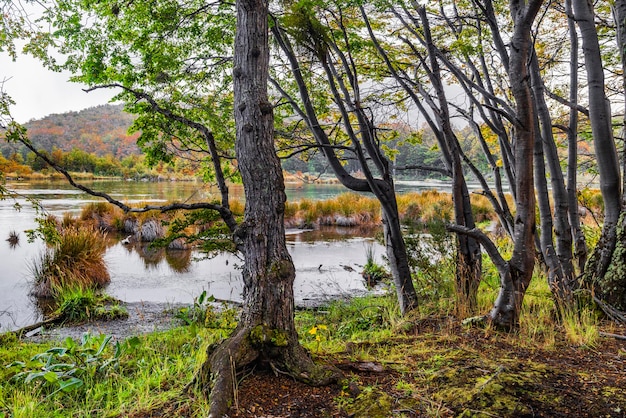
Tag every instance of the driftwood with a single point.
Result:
(19, 333)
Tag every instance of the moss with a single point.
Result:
(502, 390)
(281, 268)
(263, 335)
(371, 403)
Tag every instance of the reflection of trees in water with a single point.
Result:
(46, 306)
(178, 260)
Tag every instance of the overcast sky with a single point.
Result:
(38, 92)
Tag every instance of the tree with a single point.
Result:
(469, 259)
(335, 56)
(266, 333)
(605, 271)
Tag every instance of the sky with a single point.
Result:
(39, 92)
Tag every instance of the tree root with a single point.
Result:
(219, 373)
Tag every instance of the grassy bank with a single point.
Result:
(426, 364)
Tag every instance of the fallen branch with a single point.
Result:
(609, 335)
(19, 333)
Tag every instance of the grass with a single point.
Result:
(77, 304)
(149, 372)
(430, 360)
(351, 209)
(75, 261)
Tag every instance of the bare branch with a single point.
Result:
(224, 212)
(491, 249)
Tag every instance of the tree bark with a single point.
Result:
(580, 244)
(266, 331)
(515, 278)
(609, 286)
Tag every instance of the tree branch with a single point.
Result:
(491, 249)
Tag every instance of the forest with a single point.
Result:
(522, 97)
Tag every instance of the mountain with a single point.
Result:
(100, 130)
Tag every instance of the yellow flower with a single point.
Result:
(313, 331)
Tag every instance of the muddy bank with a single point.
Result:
(143, 318)
(147, 317)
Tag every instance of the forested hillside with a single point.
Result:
(98, 130)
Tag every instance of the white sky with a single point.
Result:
(39, 92)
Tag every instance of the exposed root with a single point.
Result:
(218, 376)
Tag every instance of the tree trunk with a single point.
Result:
(580, 244)
(558, 258)
(516, 277)
(609, 286)
(266, 331)
(469, 258)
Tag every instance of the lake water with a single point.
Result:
(328, 262)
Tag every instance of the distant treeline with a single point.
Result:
(79, 161)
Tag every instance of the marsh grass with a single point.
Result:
(346, 209)
(75, 261)
(76, 305)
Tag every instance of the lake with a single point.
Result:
(328, 261)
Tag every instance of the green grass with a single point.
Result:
(150, 372)
(77, 304)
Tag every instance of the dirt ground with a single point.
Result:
(513, 382)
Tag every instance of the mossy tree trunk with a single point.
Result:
(605, 271)
(266, 332)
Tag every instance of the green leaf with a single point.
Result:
(103, 345)
(133, 342)
(71, 384)
(20, 364)
(51, 377)
(60, 351)
(33, 376)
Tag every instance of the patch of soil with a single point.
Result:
(264, 394)
(491, 376)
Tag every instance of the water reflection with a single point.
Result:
(13, 240)
(178, 260)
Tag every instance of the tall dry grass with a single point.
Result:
(76, 261)
(347, 209)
